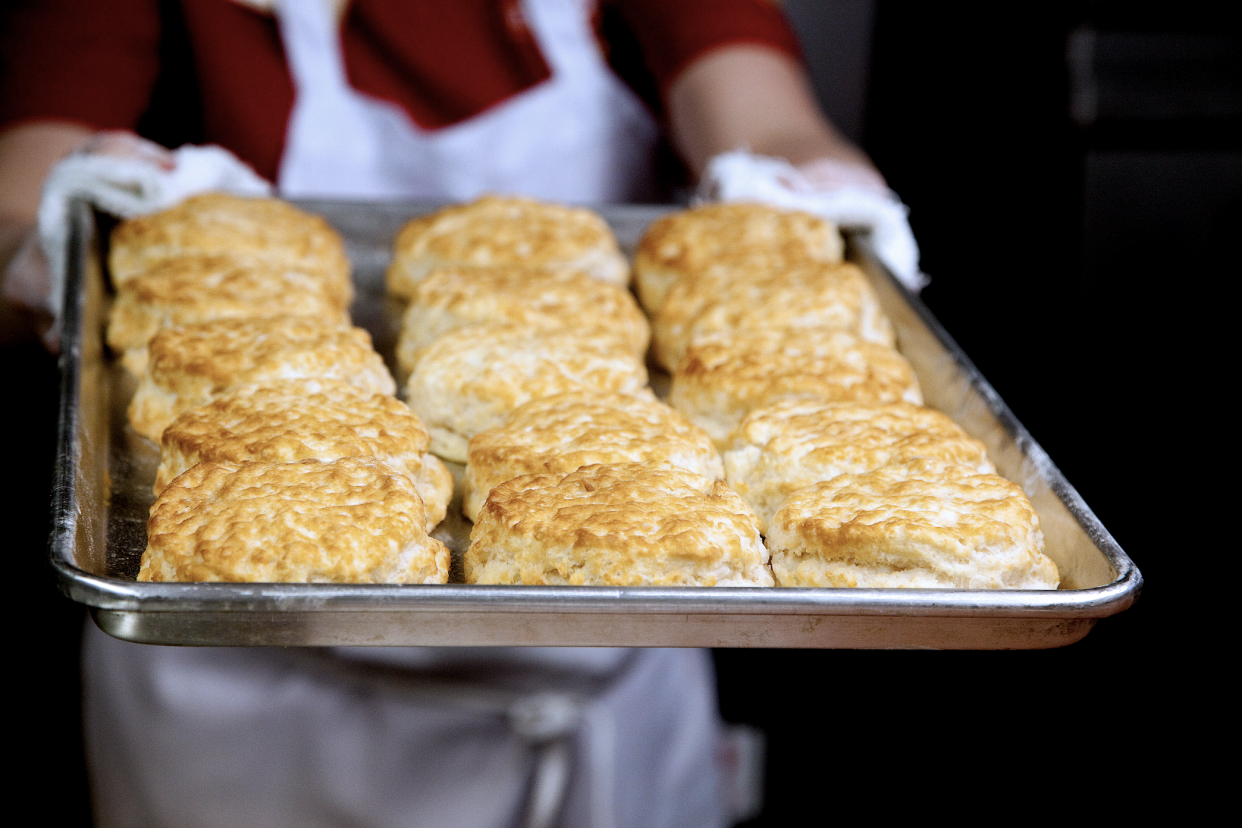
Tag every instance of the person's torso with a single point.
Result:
(433, 100)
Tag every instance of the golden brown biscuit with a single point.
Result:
(723, 377)
(616, 525)
(738, 237)
(810, 295)
(252, 228)
(495, 231)
(923, 524)
(795, 443)
(307, 419)
(350, 521)
(454, 297)
(204, 288)
(471, 378)
(191, 364)
(560, 434)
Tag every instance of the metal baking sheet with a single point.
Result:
(104, 473)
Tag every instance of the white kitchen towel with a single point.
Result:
(128, 187)
(741, 176)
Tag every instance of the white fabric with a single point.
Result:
(366, 736)
(580, 135)
(204, 737)
(594, 661)
(741, 176)
(128, 187)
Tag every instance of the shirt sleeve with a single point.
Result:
(672, 35)
(90, 62)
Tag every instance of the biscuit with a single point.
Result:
(795, 443)
(454, 297)
(723, 377)
(191, 364)
(496, 231)
(812, 295)
(737, 237)
(925, 524)
(350, 521)
(307, 419)
(204, 288)
(616, 525)
(471, 378)
(264, 229)
(558, 435)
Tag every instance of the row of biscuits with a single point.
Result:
(524, 357)
(781, 352)
(527, 365)
(799, 325)
(752, 307)
(284, 455)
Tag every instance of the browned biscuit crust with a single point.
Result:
(496, 231)
(307, 419)
(349, 521)
(795, 443)
(560, 434)
(191, 364)
(812, 295)
(218, 223)
(725, 376)
(451, 298)
(735, 237)
(616, 525)
(204, 288)
(471, 378)
(922, 524)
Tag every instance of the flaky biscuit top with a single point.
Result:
(289, 420)
(506, 231)
(922, 523)
(725, 376)
(811, 295)
(740, 237)
(231, 352)
(190, 364)
(321, 419)
(795, 443)
(471, 378)
(350, 521)
(219, 223)
(450, 298)
(560, 434)
(203, 288)
(615, 525)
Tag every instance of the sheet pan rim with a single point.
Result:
(120, 596)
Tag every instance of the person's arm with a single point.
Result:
(759, 99)
(28, 151)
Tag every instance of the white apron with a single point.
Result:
(581, 135)
(420, 736)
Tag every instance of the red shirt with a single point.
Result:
(98, 63)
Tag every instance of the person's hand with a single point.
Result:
(852, 195)
(826, 174)
(120, 143)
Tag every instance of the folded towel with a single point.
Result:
(130, 186)
(850, 201)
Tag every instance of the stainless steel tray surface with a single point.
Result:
(104, 473)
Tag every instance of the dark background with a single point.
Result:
(1074, 176)
(1074, 173)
